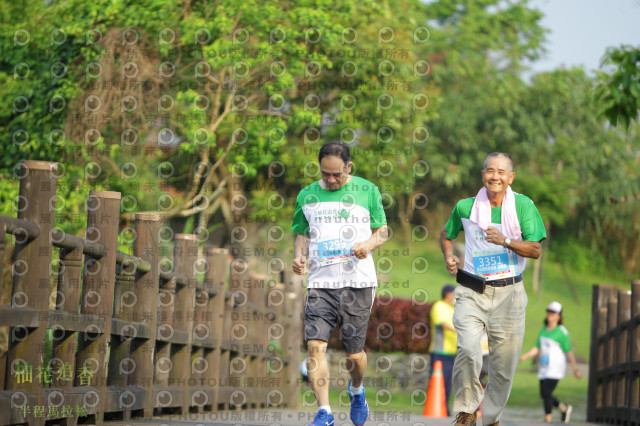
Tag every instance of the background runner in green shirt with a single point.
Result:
(554, 348)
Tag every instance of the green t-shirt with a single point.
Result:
(529, 218)
(553, 345)
(490, 260)
(335, 221)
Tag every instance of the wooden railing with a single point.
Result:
(121, 336)
(614, 363)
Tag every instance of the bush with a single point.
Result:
(575, 255)
(396, 325)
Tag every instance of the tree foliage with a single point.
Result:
(582, 174)
(619, 90)
(226, 102)
(213, 112)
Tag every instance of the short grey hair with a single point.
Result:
(499, 154)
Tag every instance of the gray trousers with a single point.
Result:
(502, 310)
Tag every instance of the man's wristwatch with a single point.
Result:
(507, 242)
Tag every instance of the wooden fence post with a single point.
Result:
(147, 247)
(295, 310)
(610, 356)
(225, 389)
(186, 254)
(64, 343)
(3, 358)
(276, 302)
(120, 345)
(622, 359)
(31, 282)
(633, 379)
(241, 331)
(67, 300)
(259, 342)
(31, 265)
(3, 231)
(216, 279)
(201, 397)
(166, 308)
(599, 303)
(98, 289)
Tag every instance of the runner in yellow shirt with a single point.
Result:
(444, 337)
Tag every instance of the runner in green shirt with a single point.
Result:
(554, 348)
(338, 221)
(502, 229)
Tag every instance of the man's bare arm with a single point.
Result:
(450, 259)
(378, 237)
(301, 253)
(523, 248)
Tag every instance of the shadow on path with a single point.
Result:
(272, 417)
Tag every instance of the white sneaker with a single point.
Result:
(567, 413)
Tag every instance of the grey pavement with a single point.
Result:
(274, 417)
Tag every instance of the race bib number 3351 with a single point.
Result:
(500, 264)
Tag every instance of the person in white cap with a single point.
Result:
(554, 348)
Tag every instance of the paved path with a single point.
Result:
(272, 417)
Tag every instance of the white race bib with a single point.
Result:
(495, 264)
(333, 249)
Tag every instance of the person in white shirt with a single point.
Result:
(554, 348)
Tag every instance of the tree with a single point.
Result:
(619, 90)
(479, 50)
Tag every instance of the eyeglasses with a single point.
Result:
(327, 174)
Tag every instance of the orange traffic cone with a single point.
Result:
(436, 404)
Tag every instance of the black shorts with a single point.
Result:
(348, 307)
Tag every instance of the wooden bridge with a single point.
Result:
(97, 335)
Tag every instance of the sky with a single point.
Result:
(581, 30)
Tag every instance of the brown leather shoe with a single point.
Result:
(466, 419)
(494, 424)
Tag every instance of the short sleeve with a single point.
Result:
(565, 344)
(300, 223)
(378, 218)
(454, 224)
(531, 222)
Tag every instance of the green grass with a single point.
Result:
(526, 390)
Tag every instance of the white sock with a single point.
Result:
(325, 407)
(358, 390)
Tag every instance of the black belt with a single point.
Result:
(505, 281)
